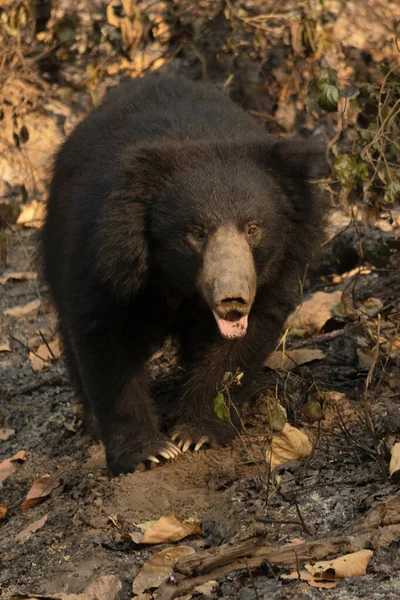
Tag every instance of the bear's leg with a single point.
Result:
(90, 421)
(112, 366)
(197, 422)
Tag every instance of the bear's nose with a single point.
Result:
(237, 300)
(226, 301)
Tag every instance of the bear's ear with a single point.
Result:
(148, 167)
(297, 158)
(295, 164)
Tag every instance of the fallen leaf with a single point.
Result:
(3, 511)
(349, 565)
(39, 490)
(8, 466)
(5, 347)
(21, 311)
(365, 357)
(369, 308)
(312, 315)
(17, 276)
(289, 444)
(32, 528)
(105, 587)
(357, 271)
(394, 467)
(32, 215)
(158, 568)
(322, 585)
(276, 414)
(5, 434)
(42, 357)
(167, 529)
(290, 359)
(313, 412)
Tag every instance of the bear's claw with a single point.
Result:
(211, 432)
(168, 451)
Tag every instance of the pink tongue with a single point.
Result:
(232, 329)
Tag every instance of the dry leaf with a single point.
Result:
(105, 587)
(3, 511)
(167, 529)
(312, 581)
(365, 357)
(394, 467)
(32, 215)
(5, 434)
(40, 489)
(369, 308)
(312, 315)
(289, 444)
(17, 276)
(5, 347)
(290, 359)
(158, 568)
(42, 357)
(276, 414)
(32, 528)
(8, 466)
(21, 311)
(349, 565)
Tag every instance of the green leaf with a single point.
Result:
(329, 97)
(392, 192)
(221, 409)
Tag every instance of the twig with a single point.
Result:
(253, 584)
(46, 344)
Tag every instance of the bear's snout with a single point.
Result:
(228, 280)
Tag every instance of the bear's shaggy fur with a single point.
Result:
(171, 211)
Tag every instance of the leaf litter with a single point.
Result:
(167, 529)
(40, 490)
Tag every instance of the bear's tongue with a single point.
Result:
(234, 326)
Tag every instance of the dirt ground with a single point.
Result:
(346, 401)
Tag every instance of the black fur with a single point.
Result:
(158, 158)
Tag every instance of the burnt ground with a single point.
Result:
(355, 386)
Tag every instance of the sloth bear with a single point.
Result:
(171, 212)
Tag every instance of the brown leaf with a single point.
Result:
(290, 359)
(32, 528)
(40, 489)
(167, 529)
(365, 357)
(158, 568)
(105, 587)
(5, 347)
(21, 311)
(5, 434)
(8, 466)
(394, 467)
(312, 315)
(3, 511)
(32, 215)
(17, 276)
(349, 565)
(42, 357)
(276, 414)
(289, 444)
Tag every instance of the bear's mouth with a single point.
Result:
(232, 325)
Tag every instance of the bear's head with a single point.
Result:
(223, 218)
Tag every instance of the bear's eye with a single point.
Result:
(198, 234)
(252, 229)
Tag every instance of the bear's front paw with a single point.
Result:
(128, 458)
(211, 432)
